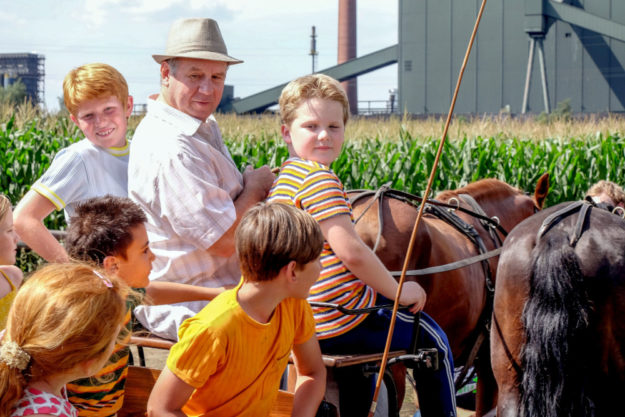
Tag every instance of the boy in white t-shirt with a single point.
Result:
(96, 96)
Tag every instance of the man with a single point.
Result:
(183, 176)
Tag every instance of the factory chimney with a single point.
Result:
(347, 47)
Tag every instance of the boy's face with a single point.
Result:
(317, 132)
(103, 121)
(135, 269)
(307, 275)
(196, 87)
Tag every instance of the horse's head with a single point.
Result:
(509, 204)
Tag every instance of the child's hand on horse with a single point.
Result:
(413, 295)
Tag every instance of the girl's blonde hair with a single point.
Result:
(64, 315)
(5, 205)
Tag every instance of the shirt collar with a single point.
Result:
(119, 151)
(188, 125)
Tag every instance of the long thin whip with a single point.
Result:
(420, 215)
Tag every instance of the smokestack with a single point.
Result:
(347, 47)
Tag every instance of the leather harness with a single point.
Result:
(446, 212)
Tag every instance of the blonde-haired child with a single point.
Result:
(607, 192)
(10, 275)
(314, 110)
(62, 325)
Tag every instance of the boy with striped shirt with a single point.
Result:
(314, 110)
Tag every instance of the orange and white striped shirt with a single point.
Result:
(315, 188)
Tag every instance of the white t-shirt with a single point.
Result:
(82, 171)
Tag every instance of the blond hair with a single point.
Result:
(93, 81)
(307, 87)
(270, 236)
(614, 191)
(5, 205)
(64, 315)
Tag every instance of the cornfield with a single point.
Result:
(399, 151)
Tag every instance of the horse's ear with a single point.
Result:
(541, 191)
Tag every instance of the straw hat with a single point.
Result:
(196, 38)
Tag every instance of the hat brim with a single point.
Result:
(210, 56)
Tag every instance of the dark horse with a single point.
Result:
(458, 300)
(558, 336)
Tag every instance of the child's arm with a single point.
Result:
(311, 378)
(161, 292)
(340, 233)
(168, 396)
(28, 219)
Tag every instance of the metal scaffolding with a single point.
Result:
(29, 68)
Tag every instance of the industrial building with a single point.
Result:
(28, 68)
(529, 55)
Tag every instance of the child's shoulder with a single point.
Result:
(13, 273)
(74, 152)
(304, 166)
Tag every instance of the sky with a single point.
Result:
(271, 36)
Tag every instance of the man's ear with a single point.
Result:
(73, 119)
(110, 264)
(286, 133)
(165, 71)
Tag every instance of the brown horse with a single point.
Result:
(558, 335)
(457, 299)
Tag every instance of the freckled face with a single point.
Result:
(104, 121)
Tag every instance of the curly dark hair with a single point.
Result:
(102, 227)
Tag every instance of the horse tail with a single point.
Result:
(556, 320)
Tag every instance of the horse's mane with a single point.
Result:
(480, 189)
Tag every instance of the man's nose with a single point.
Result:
(206, 87)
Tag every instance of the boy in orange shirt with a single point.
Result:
(230, 356)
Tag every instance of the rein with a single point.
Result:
(432, 207)
(415, 200)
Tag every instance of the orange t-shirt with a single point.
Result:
(233, 361)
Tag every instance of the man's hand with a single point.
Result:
(256, 186)
(258, 181)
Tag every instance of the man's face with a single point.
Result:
(196, 86)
